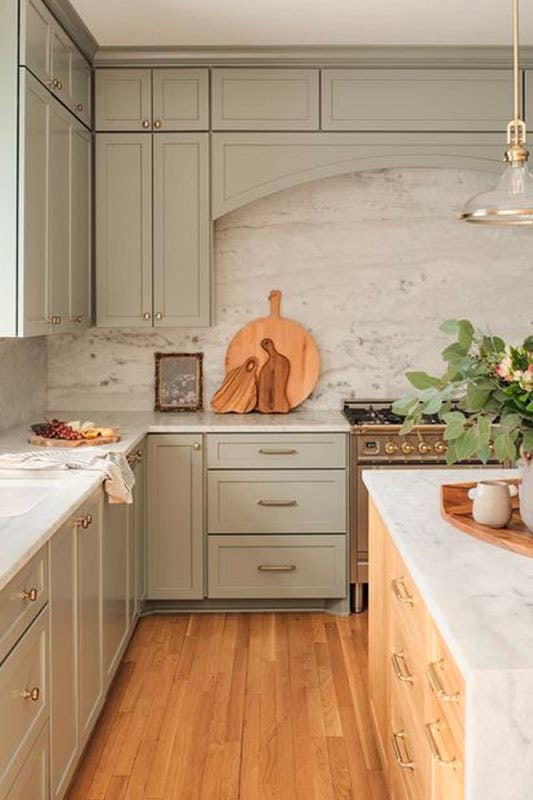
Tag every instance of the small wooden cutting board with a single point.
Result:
(42, 441)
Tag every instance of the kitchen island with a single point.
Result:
(479, 601)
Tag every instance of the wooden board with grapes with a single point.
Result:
(57, 433)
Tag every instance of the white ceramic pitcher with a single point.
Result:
(492, 503)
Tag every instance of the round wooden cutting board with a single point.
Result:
(290, 339)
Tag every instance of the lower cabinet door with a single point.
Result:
(63, 660)
(175, 517)
(89, 552)
(116, 565)
(277, 566)
(32, 782)
(139, 529)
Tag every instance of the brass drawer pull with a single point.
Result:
(29, 594)
(401, 592)
(399, 665)
(436, 683)
(277, 503)
(403, 760)
(276, 567)
(266, 451)
(434, 747)
(31, 694)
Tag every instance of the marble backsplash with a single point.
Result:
(369, 262)
(22, 380)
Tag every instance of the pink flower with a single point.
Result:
(505, 368)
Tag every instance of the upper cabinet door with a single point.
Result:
(266, 99)
(416, 100)
(35, 38)
(181, 99)
(59, 214)
(181, 230)
(81, 88)
(61, 51)
(124, 229)
(123, 99)
(80, 229)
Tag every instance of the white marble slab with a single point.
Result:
(481, 598)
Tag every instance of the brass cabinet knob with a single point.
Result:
(78, 107)
(146, 123)
(32, 694)
(157, 123)
(86, 520)
(57, 84)
(139, 453)
(424, 448)
(159, 315)
(391, 448)
(408, 448)
(147, 315)
(132, 459)
(440, 447)
(29, 594)
(197, 446)
(78, 319)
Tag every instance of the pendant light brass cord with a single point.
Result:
(516, 76)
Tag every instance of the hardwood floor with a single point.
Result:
(237, 707)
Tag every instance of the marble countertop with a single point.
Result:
(481, 598)
(22, 536)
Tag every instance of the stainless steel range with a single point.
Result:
(376, 443)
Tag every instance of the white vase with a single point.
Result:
(526, 492)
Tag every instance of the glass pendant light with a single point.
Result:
(510, 202)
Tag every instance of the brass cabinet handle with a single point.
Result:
(277, 503)
(401, 592)
(266, 451)
(434, 747)
(146, 123)
(159, 315)
(197, 446)
(398, 741)
(157, 123)
(31, 694)
(147, 315)
(399, 665)
(29, 594)
(436, 683)
(276, 567)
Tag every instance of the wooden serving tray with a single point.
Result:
(456, 508)
(42, 441)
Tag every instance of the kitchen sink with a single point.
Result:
(18, 495)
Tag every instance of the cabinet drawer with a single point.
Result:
(447, 758)
(25, 670)
(32, 782)
(277, 501)
(407, 669)
(407, 605)
(22, 599)
(410, 757)
(447, 684)
(265, 99)
(271, 450)
(277, 566)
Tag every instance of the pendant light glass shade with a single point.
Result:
(510, 202)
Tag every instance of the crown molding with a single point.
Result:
(70, 20)
(358, 56)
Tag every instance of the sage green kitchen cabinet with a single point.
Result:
(144, 100)
(32, 782)
(81, 83)
(58, 213)
(416, 99)
(175, 517)
(124, 230)
(89, 616)
(139, 527)
(182, 245)
(80, 234)
(63, 608)
(265, 99)
(35, 40)
(167, 204)
(116, 582)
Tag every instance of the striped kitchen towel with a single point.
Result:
(119, 479)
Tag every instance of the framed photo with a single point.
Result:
(178, 381)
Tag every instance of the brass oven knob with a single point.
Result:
(424, 448)
(408, 448)
(391, 448)
(440, 448)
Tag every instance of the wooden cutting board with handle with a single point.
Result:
(290, 340)
(238, 392)
(272, 381)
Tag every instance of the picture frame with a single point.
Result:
(178, 381)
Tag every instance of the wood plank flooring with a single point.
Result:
(237, 707)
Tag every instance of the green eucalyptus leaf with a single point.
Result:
(466, 445)
(527, 441)
(466, 334)
(451, 455)
(433, 405)
(450, 326)
(421, 380)
(528, 344)
(510, 422)
(505, 447)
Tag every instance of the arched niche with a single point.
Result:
(246, 167)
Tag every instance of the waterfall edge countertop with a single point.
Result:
(22, 536)
(481, 598)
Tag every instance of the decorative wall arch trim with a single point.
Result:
(246, 167)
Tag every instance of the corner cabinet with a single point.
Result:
(153, 234)
(175, 517)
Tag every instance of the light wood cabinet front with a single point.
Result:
(175, 517)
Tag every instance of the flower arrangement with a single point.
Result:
(485, 396)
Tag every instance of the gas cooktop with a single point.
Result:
(363, 413)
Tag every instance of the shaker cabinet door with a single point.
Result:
(59, 215)
(80, 229)
(36, 24)
(181, 99)
(124, 229)
(61, 51)
(81, 88)
(116, 566)
(181, 230)
(123, 100)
